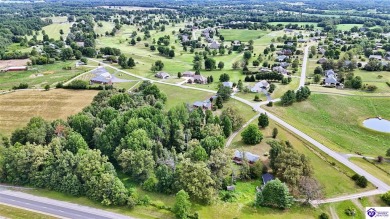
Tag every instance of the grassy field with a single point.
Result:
(336, 121)
(40, 75)
(374, 170)
(53, 31)
(341, 206)
(17, 213)
(242, 35)
(334, 182)
(378, 79)
(347, 27)
(17, 108)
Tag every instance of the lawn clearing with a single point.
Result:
(337, 121)
(17, 108)
(374, 170)
(53, 30)
(40, 75)
(13, 62)
(334, 182)
(17, 213)
(177, 95)
(242, 35)
(347, 27)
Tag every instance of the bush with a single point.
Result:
(270, 103)
(228, 196)
(388, 83)
(78, 85)
(350, 211)
(371, 88)
(362, 182)
(324, 216)
(21, 86)
(150, 184)
(59, 85)
(47, 87)
(355, 177)
(386, 197)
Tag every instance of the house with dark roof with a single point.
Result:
(267, 177)
(189, 74)
(280, 70)
(281, 58)
(162, 75)
(322, 60)
(214, 45)
(102, 76)
(378, 57)
(205, 105)
(239, 156)
(199, 79)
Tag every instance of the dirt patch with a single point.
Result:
(13, 62)
(48, 72)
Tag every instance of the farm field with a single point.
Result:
(334, 182)
(17, 213)
(336, 121)
(17, 108)
(347, 27)
(40, 75)
(242, 35)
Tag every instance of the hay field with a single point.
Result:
(17, 108)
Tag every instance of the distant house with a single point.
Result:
(286, 52)
(206, 105)
(378, 57)
(214, 45)
(267, 177)
(265, 70)
(184, 38)
(227, 84)
(162, 75)
(321, 51)
(329, 72)
(322, 60)
(281, 58)
(330, 78)
(280, 70)
(189, 74)
(302, 41)
(17, 68)
(102, 76)
(80, 44)
(260, 86)
(240, 156)
(199, 79)
(284, 64)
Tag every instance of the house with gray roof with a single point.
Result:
(227, 84)
(260, 86)
(378, 57)
(280, 70)
(162, 75)
(239, 156)
(281, 58)
(214, 45)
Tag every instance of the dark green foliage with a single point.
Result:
(227, 126)
(302, 94)
(37, 131)
(77, 85)
(224, 77)
(251, 135)
(224, 93)
(323, 216)
(288, 98)
(275, 194)
(209, 64)
(182, 205)
(263, 120)
(386, 198)
(274, 132)
(362, 182)
(350, 211)
(21, 86)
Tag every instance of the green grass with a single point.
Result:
(373, 78)
(178, 95)
(53, 30)
(347, 27)
(372, 201)
(242, 35)
(374, 170)
(52, 74)
(341, 206)
(336, 121)
(17, 213)
(334, 182)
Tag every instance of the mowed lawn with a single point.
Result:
(347, 27)
(16, 213)
(40, 75)
(334, 182)
(17, 108)
(53, 31)
(337, 121)
(241, 35)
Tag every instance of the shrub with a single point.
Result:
(21, 86)
(59, 85)
(371, 87)
(47, 87)
(388, 83)
(228, 196)
(78, 84)
(324, 216)
(270, 103)
(350, 211)
(355, 177)
(362, 182)
(150, 184)
(386, 197)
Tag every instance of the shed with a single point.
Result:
(267, 177)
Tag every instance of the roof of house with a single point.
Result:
(99, 71)
(200, 78)
(267, 177)
(329, 72)
(162, 74)
(214, 45)
(279, 69)
(282, 57)
(259, 86)
(331, 80)
(227, 84)
(17, 68)
(189, 73)
(247, 155)
(375, 57)
(101, 79)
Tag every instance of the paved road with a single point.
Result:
(54, 207)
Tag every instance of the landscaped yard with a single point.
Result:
(336, 121)
(17, 108)
(242, 35)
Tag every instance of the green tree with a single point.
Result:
(357, 82)
(130, 62)
(276, 194)
(182, 205)
(122, 61)
(209, 64)
(317, 78)
(132, 42)
(224, 92)
(234, 116)
(66, 53)
(171, 53)
(74, 142)
(240, 85)
(219, 102)
(139, 164)
(47, 87)
(221, 65)
(224, 77)
(247, 55)
(159, 65)
(318, 70)
(219, 165)
(386, 197)
(274, 132)
(288, 98)
(251, 135)
(263, 120)
(227, 126)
